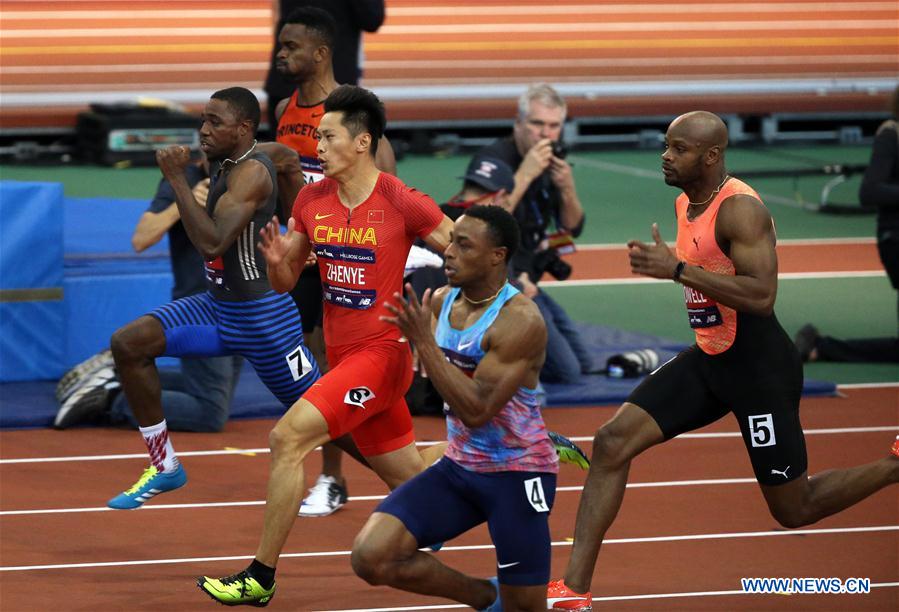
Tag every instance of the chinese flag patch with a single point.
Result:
(376, 216)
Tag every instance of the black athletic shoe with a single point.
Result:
(79, 374)
(89, 402)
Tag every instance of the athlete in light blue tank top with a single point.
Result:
(515, 439)
(482, 344)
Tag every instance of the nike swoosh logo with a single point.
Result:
(465, 346)
(317, 114)
(505, 565)
(319, 217)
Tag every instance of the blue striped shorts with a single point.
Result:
(266, 331)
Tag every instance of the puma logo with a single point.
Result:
(784, 473)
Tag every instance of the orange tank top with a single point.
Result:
(296, 129)
(715, 325)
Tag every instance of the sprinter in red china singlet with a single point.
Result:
(361, 223)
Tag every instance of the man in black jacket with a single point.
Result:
(545, 203)
(880, 190)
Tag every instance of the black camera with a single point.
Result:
(559, 149)
(549, 261)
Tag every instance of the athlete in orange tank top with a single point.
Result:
(714, 324)
(743, 363)
(297, 128)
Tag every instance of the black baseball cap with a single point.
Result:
(490, 173)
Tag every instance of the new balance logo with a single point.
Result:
(358, 396)
(784, 473)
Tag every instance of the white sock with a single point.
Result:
(162, 453)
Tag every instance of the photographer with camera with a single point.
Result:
(546, 206)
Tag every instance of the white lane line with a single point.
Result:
(345, 553)
(612, 246)
(737, 434)
(245, 451)
(824, 241)
(642, 280)
(569, 489)
(877, 585)
(808, 432)
(868, 385)
(771, 198)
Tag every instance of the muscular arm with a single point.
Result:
(290, 175)
(163, 213)
(515, 346)
(439, 239)
(249, 186)
(745, 224)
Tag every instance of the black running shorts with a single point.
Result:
(759, 379)
(307, 295)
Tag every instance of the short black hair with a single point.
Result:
(318, 20)
(502, 226)
(362, 112)
(242, 102)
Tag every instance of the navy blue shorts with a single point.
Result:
(446, 500)
(265, 331)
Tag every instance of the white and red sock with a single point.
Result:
(162, 453)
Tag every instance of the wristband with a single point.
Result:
(678, 270)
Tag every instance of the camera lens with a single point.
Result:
(559, 269)
(559, 149)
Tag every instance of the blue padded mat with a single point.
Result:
(607, 341)
(32, 404)
(104, 225)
